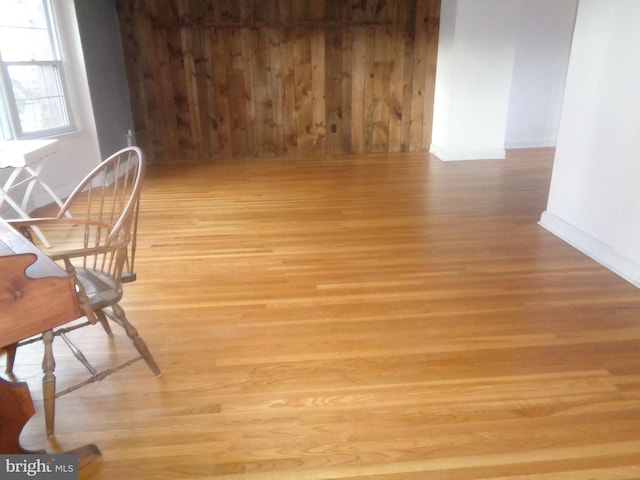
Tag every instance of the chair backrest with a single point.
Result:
(109, 193)
(103, 206)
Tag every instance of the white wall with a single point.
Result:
(543, 33)
(594, 198)
(500, 75)
(473, 77)
(78, 151)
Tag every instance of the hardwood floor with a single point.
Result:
(359, 318)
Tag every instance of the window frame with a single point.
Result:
(10, 122)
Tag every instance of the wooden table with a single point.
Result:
(36, 295)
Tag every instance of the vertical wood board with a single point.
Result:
(243, 78)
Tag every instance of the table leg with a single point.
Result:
(11, 357)
(19, 209)
(35, 175)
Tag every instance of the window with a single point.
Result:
(33, 93)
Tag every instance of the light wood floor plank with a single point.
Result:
(379, 317)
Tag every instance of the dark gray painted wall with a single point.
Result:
(102, 50)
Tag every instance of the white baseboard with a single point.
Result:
(593, 248)
(454, 155)
(533, 143)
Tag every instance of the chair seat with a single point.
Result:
(101, 289)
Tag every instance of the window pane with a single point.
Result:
(5, 129)
(23, 13)
(39, 99)
(31, 70)
(20, 44)
(24, 34)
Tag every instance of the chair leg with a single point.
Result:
(49, 382)
(104, 322)
(11, 357)
(132, 333)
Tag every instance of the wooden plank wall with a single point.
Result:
(264, 78)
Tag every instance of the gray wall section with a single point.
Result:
(104, 62)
